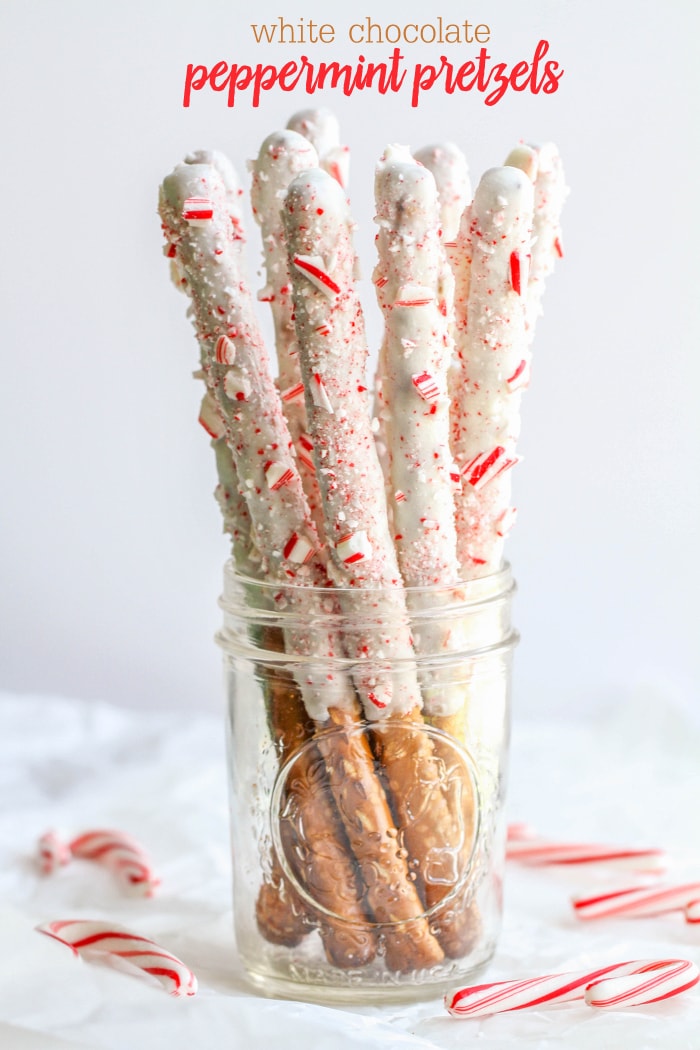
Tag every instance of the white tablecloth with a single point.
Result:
(632, 777)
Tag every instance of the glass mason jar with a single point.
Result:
(368, 842)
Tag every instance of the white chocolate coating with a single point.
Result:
(282, 156)
(492, 345)
(283, 532)
(414, 283)
(320, 126)
(544, 167)
(450, 170)
(333, 352)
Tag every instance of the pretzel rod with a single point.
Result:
(450, 170)
(352, 487)
(283, 155)
(255, 424)
(88, 936)
(544, 167)
(621, 984)
(493, 361)
(636, 901)
(241, 382)
(320, 127)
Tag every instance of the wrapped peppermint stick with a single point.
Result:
(493, 365)
(450, 170)
(320, 127)
(544, 167)
(282, 156)
(636, 901)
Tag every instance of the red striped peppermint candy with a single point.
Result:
(661, 980)
(487, 466)
(637, 901)
(198, 211)
(319, 395)
(53, 852)
(93, 937)
(414, 295)
(298, 549)
(304, 451)
(540, 852)
(237, 388)
(277, 475)
(519, 267)
(225, 351)
(520, 378)
(425, 385)
(210, 418)
(597, 987)
(506, 521)
(121, 854)
(692, 911)
(293, 393)
(313, 267)
(354, 547)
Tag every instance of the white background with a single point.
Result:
(111, 544)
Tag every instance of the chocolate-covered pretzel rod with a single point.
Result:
(493, 360)
(194, 212)
(450, 170)
(320, 127)
(283, 155)
(544, 167)
(363, 557)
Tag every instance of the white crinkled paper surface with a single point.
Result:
(631, 778)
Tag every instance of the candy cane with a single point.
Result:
(621, 984)
(87, 937)
(491, 346)
(540, 852)
(692, 911)
(116, 850)
(637, 901)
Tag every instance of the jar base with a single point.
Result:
(362, 992)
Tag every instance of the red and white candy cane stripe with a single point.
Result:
(313, 267)
(197, 210)
(692, 911)
(621, 984)
(637, 901)
(116, 850)
(539, 852)
(488, 465)
(88, 936)
(122, 854)
(53, 852)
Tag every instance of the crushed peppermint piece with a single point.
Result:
(399, 496)
(237, 389)
(519, 266)
(520, 377)
(277, 475)
(306, 447)
(210, 418)
(266, 294)
(354, 547)
(313, 267)
(293, 393)
(298, 549)
(487, 466)
(319, 396)
(198, 211)
(414, 295)
(506, 521)
(225, 351)
(425, 385)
